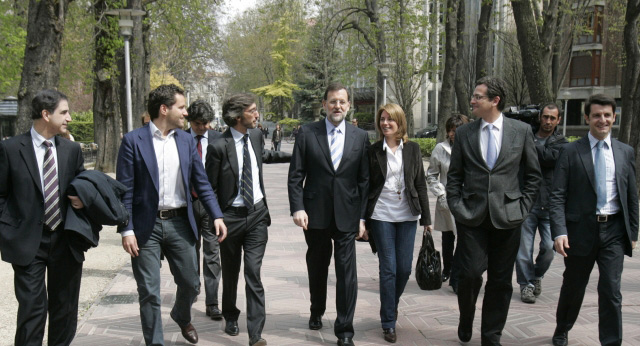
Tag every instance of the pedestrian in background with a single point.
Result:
(437, 180)
(276, 138)
(398, 198)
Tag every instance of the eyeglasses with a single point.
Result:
(338, 102)
(252, 111)
(478, 97)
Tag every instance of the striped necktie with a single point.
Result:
(336, 148)
(51, 190)
(247, 177)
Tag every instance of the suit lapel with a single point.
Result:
(618, 159)
(149, 155)
(508, 135)
(349, 140)
(256, 143)
(29, 156)
(62, 150)
(320, 132)
(381, 155)
(474, 141)
(232, 156)
(184, 156)
(584, 151)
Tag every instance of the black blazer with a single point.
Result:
(414, 179)
(21, 198)
(222, 165)
(328, 194)
(572, 203)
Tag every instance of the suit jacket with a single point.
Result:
(572, 203)
(473, 190)
(328, 194)
(223, 169)
(414, 179)
(548, 154)
(137, 169)
(21, 197)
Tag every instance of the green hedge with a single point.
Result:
(426, 145)
(364, 118)
(82, 131)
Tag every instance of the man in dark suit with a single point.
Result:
(200, 116)
(160, 165)
(330, 158)
(594, 219)
(489, 202)
(35, 171)
(234, 167)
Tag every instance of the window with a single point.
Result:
(585, 68)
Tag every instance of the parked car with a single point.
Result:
(430, 131)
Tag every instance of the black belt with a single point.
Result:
(606, 218)
(170, 213)
(246, 210)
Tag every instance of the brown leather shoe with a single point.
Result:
(389, 334)
(189, 333)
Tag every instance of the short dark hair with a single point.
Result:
(200, 110)
(455, 120)
(162, 95)
(599, 99)
(234, 106)
(48, 99)
(334, 86)
(550, 106)
(495, 87)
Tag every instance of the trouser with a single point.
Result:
(526, 269)
(59, 296)
(211, 269)
(176, 240)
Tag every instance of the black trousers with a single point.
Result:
(319, 252)
(480, 249)
(608, 252)
(246, 231)
(59, 296)
(208, 241)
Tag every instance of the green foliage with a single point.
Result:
(288, 123)
(426, 145)
(573, 138)
(13, 39)
(365, 118)
(82, 131)
(86, 116)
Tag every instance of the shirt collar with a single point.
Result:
(593, 141)
(194, 134)
(385, 146)
(330, 126)
(497, 124)
(38, 139)
(155, 131)
(237, 135)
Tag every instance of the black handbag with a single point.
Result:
(429, 266)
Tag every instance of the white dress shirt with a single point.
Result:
(204, 141)
(612, 204)
(391, 206)
(255, 172)
(171, 188)
(41, 150)
(497, 136)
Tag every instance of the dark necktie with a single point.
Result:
(51, 189)
(246, 188)
(199, 147)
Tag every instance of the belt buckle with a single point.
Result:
(164, 214)
(602, 218)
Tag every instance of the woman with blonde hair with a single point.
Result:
(398, 198)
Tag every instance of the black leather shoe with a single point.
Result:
(560, 338)
(445, 277)
(213, 312)
(465, 332)
(315, 322)
(389, 334)
(259, 342)
(346, 342)
(232, 328)
(189, 333)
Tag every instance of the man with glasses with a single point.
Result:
(489, 202)
(234, 168)
(330, 159)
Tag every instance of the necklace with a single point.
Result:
(397, 179)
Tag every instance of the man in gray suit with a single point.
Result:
(492, 183)
(594, 218)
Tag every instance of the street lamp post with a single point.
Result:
(384, 67)
(566, 95)
(126, 30)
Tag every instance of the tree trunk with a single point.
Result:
(532, 49)
(630, 126)
(451, 55)
(42, 54)
(482, 39)
(462, 91)
(106, 88)
(140, 69)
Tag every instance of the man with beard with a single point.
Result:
(234, 166)
(330, 159)
(549, 143)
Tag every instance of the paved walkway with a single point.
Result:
(425, 317)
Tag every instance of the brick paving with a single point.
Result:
(425, 317)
